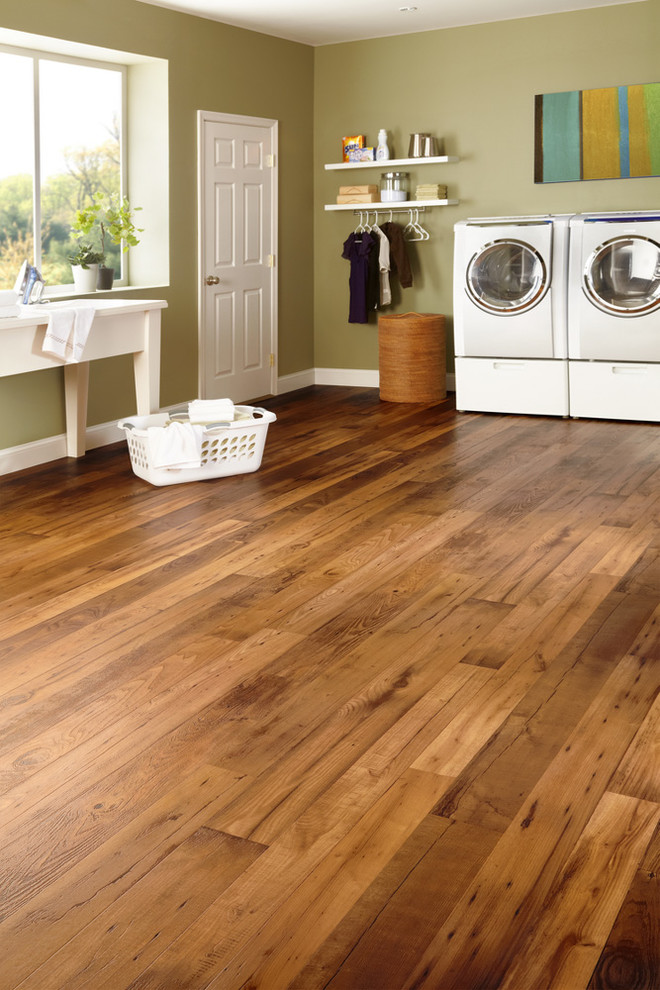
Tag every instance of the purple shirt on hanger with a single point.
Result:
(357, 248)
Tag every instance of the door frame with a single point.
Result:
(204, 116)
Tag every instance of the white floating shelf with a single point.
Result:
(392, 162)
(411, 204)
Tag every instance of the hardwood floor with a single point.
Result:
(382, 715)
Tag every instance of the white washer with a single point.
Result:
(510, 297)
(614, 316)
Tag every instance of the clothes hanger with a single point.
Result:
(425, 234)
(410, 231)
(413, 231)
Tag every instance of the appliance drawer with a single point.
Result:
(512, 385)
(615, 390)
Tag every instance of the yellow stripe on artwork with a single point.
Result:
(638, 128)
(600, 134)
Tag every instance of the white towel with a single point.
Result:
(67, 332)
(177, 445)
(211, 411)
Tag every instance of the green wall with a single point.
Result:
(212, 67)
(475, 87)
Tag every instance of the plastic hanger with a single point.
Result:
(413, 231)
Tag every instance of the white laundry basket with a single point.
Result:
(227, 449)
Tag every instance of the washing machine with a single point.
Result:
(614, 316)
(510, 299)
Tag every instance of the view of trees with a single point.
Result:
(88, 170)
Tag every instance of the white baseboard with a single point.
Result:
(346, 376)
(29, 455)
(299, 379)
(358, 378)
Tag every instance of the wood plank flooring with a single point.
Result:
(383, 715)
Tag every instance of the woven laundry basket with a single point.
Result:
(411, 357)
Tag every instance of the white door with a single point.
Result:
(237, 263)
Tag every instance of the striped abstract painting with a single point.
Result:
(611, 133)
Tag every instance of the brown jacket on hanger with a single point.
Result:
(399, 260)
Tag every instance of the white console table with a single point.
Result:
(121, 326)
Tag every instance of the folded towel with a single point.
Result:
(430, 190)
(8, 297)
(6, 311)
(67, 332)
(177, 445)
(211, 411)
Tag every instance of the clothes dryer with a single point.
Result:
(510, 291)
(614, 315)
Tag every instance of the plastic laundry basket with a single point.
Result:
(227, 449)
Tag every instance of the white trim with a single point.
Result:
(356, 377)
(28, 455)
(347, 376)
(204, 116)
(299, 379)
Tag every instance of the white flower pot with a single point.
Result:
(84, 279)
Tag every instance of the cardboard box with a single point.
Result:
(359, 198)
(357, 190)
(362, 155)
(349, 144)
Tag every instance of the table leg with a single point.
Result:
(76, 388)
(146, 366)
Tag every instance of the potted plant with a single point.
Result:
(112, 216)
(84, 266)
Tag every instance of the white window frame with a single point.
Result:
(146, 152)
(36, 55)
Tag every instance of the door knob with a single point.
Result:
(211, 279)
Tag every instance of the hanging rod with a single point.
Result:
(370, 208)
(412, 228)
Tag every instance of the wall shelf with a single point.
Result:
(409, 204)
(393, 162)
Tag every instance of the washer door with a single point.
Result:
(506, 277)
(622, 276)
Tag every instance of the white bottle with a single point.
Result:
(382, 151)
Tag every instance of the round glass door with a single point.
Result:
(622, 276)
(506, 277)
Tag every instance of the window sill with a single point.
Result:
(116, 290)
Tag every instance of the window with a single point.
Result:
(62, 142)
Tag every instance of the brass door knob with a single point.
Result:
(211, 279)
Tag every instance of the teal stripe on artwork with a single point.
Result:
(561, 136)
(652, 103)
(624, 134)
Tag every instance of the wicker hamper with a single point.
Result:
(411, 357)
